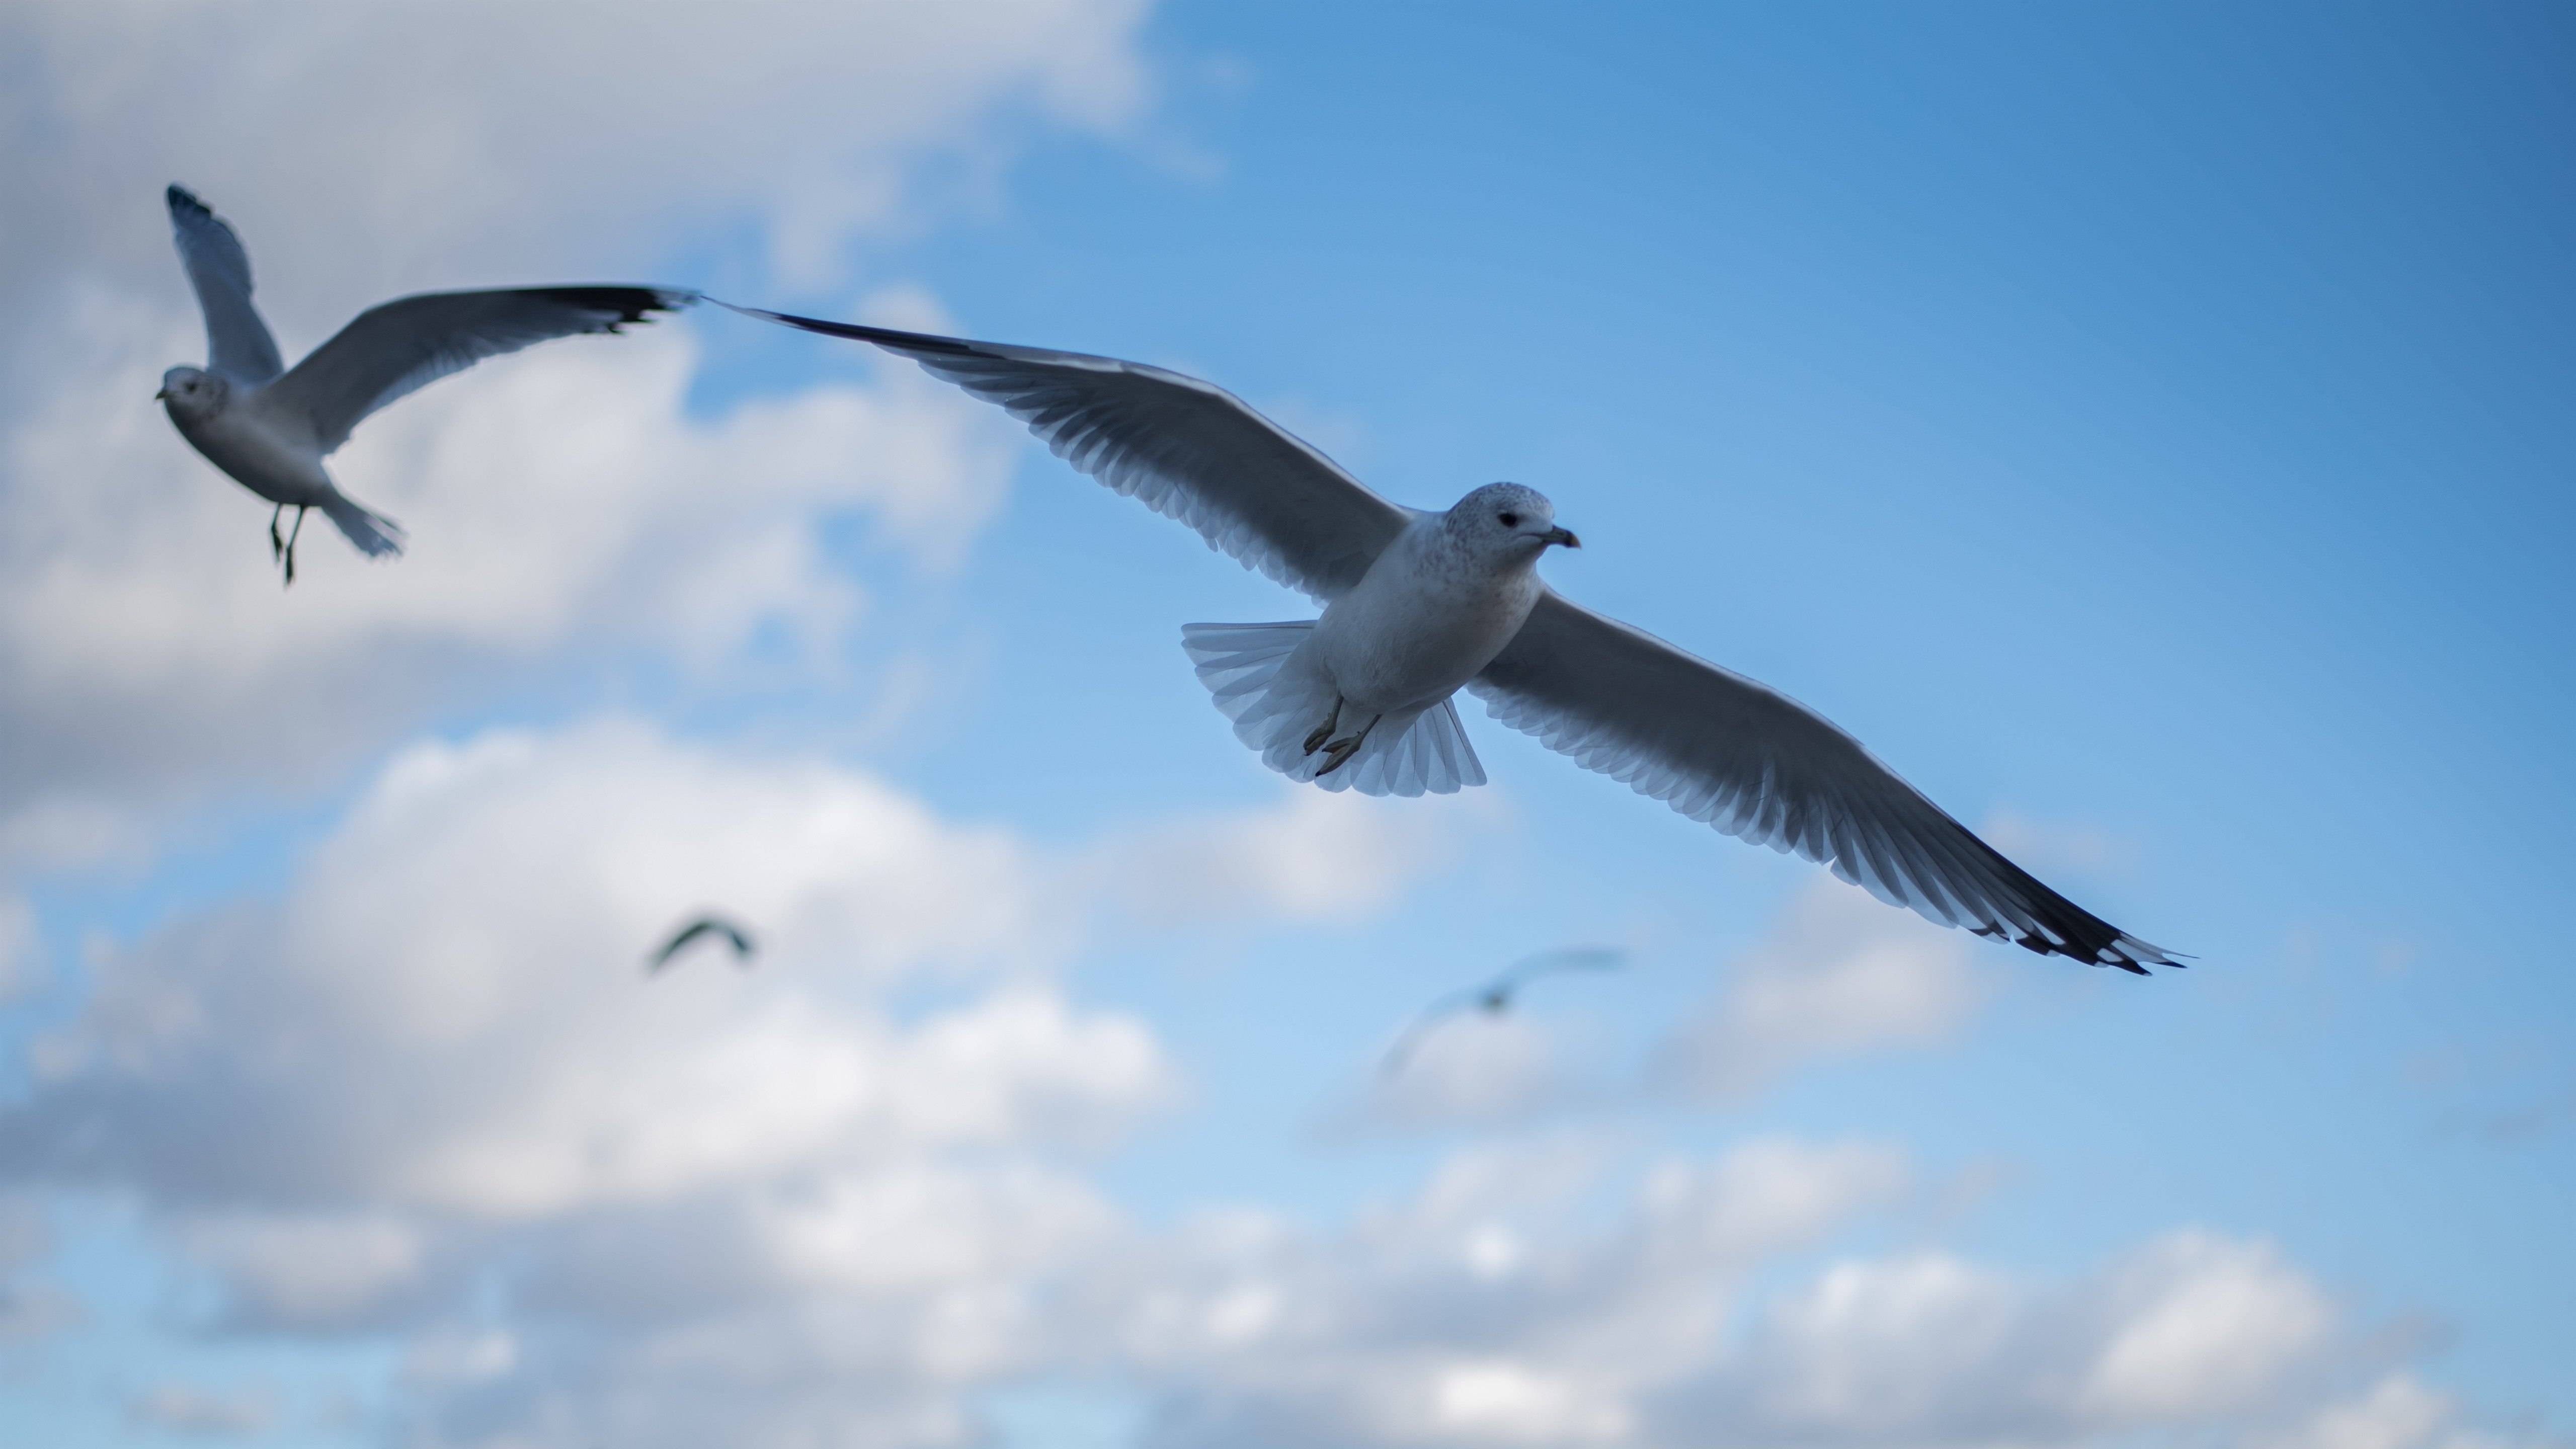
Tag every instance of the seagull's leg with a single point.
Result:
(1339, 752)
(292, 535)
(276, 541)
(1324, 731)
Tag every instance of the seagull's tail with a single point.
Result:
(373, 533)
(1275, 707)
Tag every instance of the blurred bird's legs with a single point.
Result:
(292, 535)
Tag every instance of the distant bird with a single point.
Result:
(1418, 605)
(703, 926)
(270, 428)
(1495, 996)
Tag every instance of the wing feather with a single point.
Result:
(406, 344)
(238, 346)
(1756, 764)
(1188, 450)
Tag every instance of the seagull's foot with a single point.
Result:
(276, 540)
(1324, 731)
(1339, 752)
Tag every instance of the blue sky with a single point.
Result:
(2141, 425)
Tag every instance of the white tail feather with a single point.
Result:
(373, 533)
(1255, 677)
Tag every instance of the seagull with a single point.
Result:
(1495, 996)
(703, 926)
(270, 428)
(1418, 605)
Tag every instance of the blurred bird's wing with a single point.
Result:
(1552, 963)
(673, 947)
(1184, 448)
(1758, 765)
(404, 345)
(1402, 1048)
(238, 346)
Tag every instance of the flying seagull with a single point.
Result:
(1417, 605)
(1494, 997)
(703, 926)
(271, 428)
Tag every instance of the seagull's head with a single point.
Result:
(192, 392)
(1510, 522)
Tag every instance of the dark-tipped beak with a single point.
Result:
(1559, 535)
(162, 396)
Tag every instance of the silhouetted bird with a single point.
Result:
(704, 926)
(1495, 996)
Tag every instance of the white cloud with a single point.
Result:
(418, 146)
(1314, 856)
(2397, 1412)
(1839, 974)
(559, 500)
(560, 503)
(207, 1413)
(2207, 1325)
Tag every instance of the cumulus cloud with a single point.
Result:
(558, 502)
(1837, 975)
(429, 146)
(821, 1196)
(203, 1413)
(1485, 1310)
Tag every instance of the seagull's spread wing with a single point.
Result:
(1757, 764)
(237, 342)
(1182, 447)
(404, 345)
(734, 935)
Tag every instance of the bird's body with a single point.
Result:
(1494, 998)
(269, 428)
(1420, 605)
(1433, 610)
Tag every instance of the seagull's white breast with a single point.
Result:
(1423, 621)
(257, 453)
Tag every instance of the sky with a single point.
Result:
(2143, 425)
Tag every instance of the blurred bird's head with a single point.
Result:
(1508, 522)
(192, 392)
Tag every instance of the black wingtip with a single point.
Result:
(181, 199)
(628, 304)
(901, 341)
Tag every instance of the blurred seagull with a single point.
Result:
(270, 428)
(703, 926)
(1418, 605)
(1495, 996)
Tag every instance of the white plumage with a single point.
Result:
(1418, 605)
(270, 428)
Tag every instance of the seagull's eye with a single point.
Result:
(1511, 520)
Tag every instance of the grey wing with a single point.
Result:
(1186, 449)
(1758, 765)
(237, 342)
(404, 345)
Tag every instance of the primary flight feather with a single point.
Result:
(1418, 605)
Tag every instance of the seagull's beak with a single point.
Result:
(162, 396)
(1559, 535)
